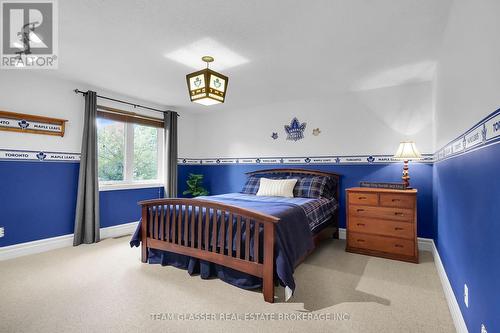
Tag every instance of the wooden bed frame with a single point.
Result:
(155, 233)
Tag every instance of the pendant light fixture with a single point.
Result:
(207, 87)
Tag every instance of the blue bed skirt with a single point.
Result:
(205, 269)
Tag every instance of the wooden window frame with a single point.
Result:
(110, 113)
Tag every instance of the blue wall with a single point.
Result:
(467, 197)
(120, 206)
(38, 200)
(231, 178)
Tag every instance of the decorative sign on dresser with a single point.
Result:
(27, 123)
(392, 186)
(382, 222)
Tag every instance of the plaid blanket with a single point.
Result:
(318, 211)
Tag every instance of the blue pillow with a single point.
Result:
(314, 187)
(252, 185)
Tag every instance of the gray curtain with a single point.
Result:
(170, 157)
(87, 205)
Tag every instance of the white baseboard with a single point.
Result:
(119, 230)
(43, 245)
(342, 233)
(456, 314)
(427, 244)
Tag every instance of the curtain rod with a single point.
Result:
(77, 91)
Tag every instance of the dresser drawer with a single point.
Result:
(363, 199)
(380, 227)
(397, 214)
(397, 200)
(383, 244)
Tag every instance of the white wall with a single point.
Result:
(28, 92)
(31, 92)
(468, 72)
(362, 122)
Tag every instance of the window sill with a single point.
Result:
(127, 186)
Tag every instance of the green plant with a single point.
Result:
(194, 184)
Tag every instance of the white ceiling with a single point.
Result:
(293, 48)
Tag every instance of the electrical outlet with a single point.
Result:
(483, 329)
(2, 232)
(466, 295)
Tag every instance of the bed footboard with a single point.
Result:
(214, 232)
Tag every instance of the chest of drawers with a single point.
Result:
(382, 222)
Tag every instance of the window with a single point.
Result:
(145, 153)
(128, 153)
(111, 150)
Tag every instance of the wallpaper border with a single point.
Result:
(40, 156)
(315, 160)
(483, 134)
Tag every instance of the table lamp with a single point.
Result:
(407, 151)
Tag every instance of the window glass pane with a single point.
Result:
(111, 149)
(145, 152)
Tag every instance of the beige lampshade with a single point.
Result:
(407, 151)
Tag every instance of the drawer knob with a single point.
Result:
(398, 213)
(360, 224)
(360, 210)
(396, 200)
(398, 229)
(360, 240)
(361, 198)
(398, 245)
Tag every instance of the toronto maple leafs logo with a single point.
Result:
(184, 161)
(370, 159)
(307, 160)
(295, 130)
(257, 160)
(217, 161)
(23, 124)
(197, 82)
(217, 83)
(274, 135)
(41, 156)
(484, 132)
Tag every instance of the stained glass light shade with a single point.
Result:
(207, 87)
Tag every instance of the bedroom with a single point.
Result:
(102, 125)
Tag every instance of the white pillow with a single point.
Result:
(276, 187)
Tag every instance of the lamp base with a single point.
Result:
(406, 175)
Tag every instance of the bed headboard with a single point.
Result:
(300, 172)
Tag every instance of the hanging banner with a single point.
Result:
(19, 122)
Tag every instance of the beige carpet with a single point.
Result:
(105, 288)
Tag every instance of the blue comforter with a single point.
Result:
(293, 241)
